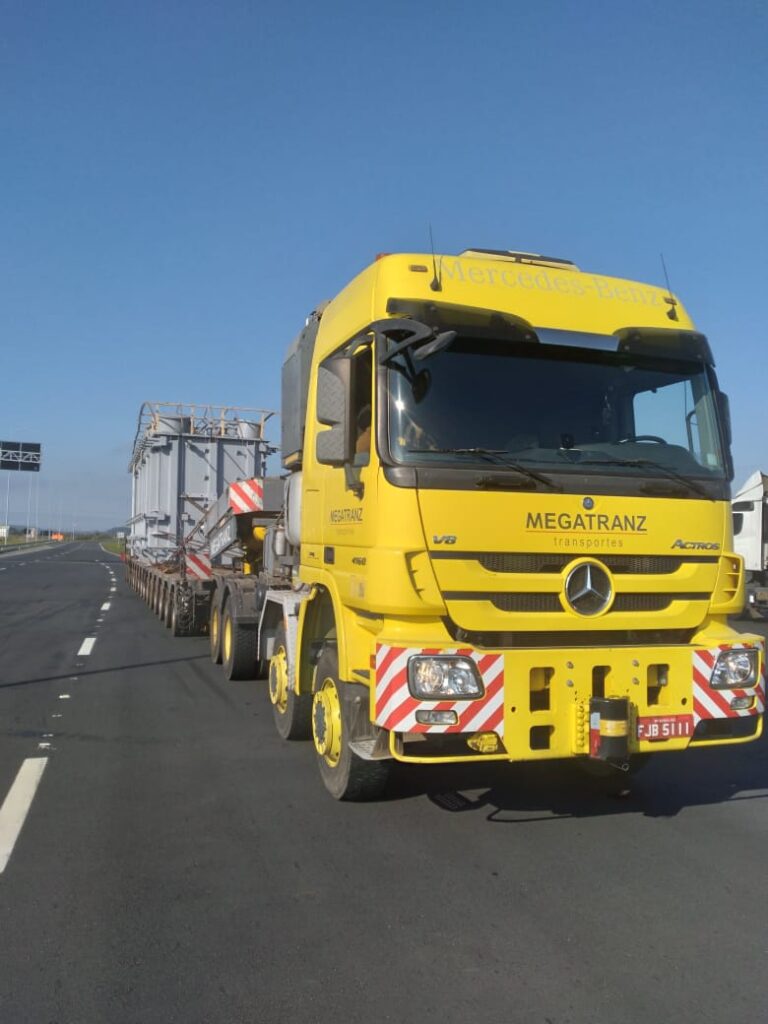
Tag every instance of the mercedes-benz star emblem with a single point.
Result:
(588, 588)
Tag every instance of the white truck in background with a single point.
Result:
(750, 535)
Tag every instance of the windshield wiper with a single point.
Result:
(495, 456)
(691, 485)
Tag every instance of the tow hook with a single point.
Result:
(609, 730)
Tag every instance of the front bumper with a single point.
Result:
(540, 703)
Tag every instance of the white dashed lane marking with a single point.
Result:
(106, 606)
(86, 646)
(16, 805)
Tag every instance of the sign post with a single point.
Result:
(21, 456)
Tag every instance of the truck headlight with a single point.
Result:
(441, 678)
(735, 669)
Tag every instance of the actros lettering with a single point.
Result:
(696, 545)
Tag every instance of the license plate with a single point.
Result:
(664, 727)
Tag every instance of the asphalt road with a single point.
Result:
(180, 863)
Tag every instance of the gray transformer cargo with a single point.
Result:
(184, 458)
(200, 504)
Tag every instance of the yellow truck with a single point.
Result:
(506, 533)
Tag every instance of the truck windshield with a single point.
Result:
(555, 407)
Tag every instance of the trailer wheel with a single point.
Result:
(238, 646)
(345, 775)
(176, 629)
(214, 627)
(291, 711)
(168, 606)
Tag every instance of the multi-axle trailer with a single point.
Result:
(200, 509)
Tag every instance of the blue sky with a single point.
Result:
(183, 181)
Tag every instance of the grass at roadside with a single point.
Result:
(115, 546)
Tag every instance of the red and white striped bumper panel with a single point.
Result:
(710, 703)
(198, 566)
(246, 496)
(396, 708)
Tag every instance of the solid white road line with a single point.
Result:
(16, 805)
(105, 607)
(87, 645)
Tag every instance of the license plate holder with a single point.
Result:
(657, 728)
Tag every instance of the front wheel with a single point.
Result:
(292, 712)
(345, 775)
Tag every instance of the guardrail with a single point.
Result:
(7, 549)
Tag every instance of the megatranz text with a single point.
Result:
(591, 522)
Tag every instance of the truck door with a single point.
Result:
(350, 490)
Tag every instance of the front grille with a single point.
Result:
(524, 602)
(644, 602)
(550, 638)
(640, 565)
(551, 602)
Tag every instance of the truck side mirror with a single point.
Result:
(725, 415)
(334, 447)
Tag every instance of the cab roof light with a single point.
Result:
(522, 257)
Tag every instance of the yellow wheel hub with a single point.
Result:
(278, 679)
(227, 638)
(326, 722)
(215, 626)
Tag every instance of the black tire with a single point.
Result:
(238, 645)
(214, 627)
(292, 712)
(168, 606)
(345, 775)
(175, 624)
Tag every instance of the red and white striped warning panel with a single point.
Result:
(711, 703)
(198, 566)
(396, 708)
(246, 496)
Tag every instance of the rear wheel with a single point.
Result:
(346, 775)
(214, 628)
(238, 645)
(291, 711)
